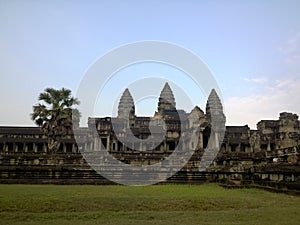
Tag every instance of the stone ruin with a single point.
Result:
(268, 156)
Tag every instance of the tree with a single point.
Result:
(54, 113)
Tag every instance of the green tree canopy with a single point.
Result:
(55, 115)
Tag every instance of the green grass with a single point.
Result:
(158, 204)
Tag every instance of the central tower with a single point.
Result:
(166, 99)
(126, 109)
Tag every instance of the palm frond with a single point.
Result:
(55, 115)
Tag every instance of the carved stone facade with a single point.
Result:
(147, 140)
(126, 133)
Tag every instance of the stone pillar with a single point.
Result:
(100, 144)
(183, 146)
(91, 145)
(239, 148)
(74, 148)
(96, 146)
(216, 139)
(34, 147)
(269, 146)
(108, 143)
(201, 139)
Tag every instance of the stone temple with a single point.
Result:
(174, 123)
(267, 156)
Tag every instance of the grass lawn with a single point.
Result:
(157, 204)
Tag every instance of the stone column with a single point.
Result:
(239, 148)
(269, 146)
(201, 139)
(108, 143)
(34, 147)
(96, 146)
(100, 144)
(216, 139)
(183, 145)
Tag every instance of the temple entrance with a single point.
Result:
(206, 136)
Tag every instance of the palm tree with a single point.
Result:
(53, 114)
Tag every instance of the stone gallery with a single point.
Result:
(267, 156)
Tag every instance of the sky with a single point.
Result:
(252, 48)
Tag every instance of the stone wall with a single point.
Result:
(268, 156)
(240, 169)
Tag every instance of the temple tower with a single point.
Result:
(215, 116)
(214, 108)
(126, 109)
(166, 99)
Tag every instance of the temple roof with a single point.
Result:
(166, 98)
(126, 98)
(214, 106)
(167, 94)
(126, 105)
(197, 112)
(237, 129)
(214, 101)
(20, 130)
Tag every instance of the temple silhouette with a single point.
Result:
(266, 156)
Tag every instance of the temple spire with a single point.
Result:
(166, 99)
(214, 108)
(126, 109)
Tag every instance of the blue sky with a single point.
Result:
(251, 47)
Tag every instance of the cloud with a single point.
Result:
(258, 80)
(269, 97)
(293, 59)
(279, 96)
(291, 49)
